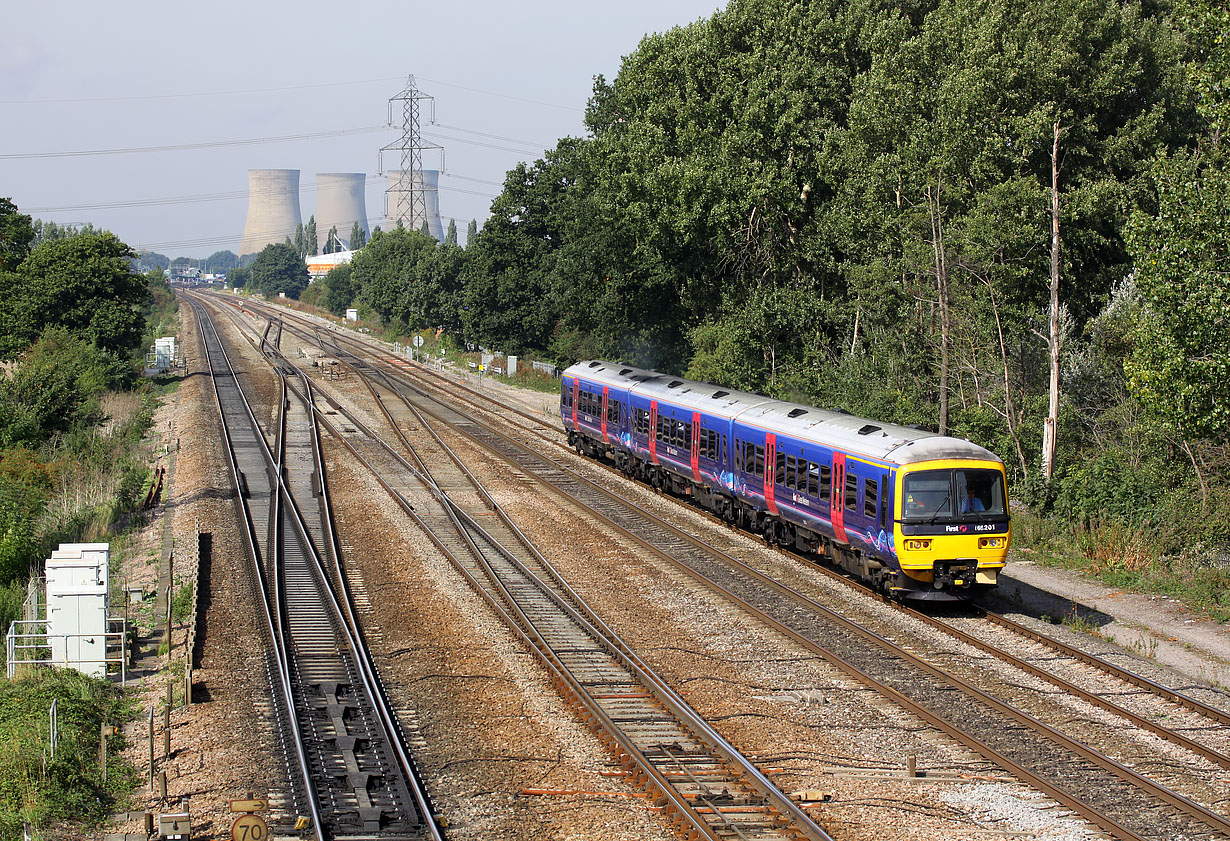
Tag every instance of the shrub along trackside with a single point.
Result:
(42, 787)
(73, 468)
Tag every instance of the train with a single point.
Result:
(915, 515)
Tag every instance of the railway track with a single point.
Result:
(706, 787)
(1116, 790)
(1081, 773)
(351, 776)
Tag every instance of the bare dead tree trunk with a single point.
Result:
(854, 342)
(1204, 490)
(1009, 410)
(941, 281)
(1050, 429)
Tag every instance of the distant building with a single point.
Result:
(319, 265)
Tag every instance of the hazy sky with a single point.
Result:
(509, 79)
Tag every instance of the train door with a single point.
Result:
(653, 431)
(576, 400)
(606, 394)
(696, 446)
(770, 472)
(837, 497)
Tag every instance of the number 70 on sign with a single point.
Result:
(249, 828)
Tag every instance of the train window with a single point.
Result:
(779, 474)
(792, 465)
(641, 418)
(738, 466)
(871, 492)
(980, 491)
(813, 479)
(851, 496)
(758, 462)
(612, 411)
(928, 493)
(723, 449)
(685, 435)
(826, 481)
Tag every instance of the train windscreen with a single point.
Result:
(964, 493)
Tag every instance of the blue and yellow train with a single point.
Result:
(915, 514)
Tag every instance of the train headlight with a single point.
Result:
(917, 545)
(991, 542)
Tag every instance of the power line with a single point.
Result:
(242, 91)
(505, 96)
(186, 146)
(233, 195)
(192, 95)
(531, 143)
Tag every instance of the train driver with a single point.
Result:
(971, 503)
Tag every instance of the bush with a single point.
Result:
(70, 786)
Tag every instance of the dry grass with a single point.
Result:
(1112, 546)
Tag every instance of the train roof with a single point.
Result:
(611, 373)
(874, 439)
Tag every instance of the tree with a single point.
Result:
(471, 232)
(381, 269)
(85, 283)
(332, 243)
(16, 235)
(338, 289)
(299, 242)
(55, 387)
(450, 238)
(310, 244)
(222, 261)
(1181, 364)
(278, 269)
(357, 237)
(424, 229)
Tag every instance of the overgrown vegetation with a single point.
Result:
(1003, 220)
(43, 787)
(74, 323)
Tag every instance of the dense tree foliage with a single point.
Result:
(381, 270)
(16, 235)
(976, 215)
(278, 269)
(84, 282)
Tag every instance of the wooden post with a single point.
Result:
(103, 732)
(151, 748)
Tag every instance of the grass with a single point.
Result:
(1127, 558)
(47, 791)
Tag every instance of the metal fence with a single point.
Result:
(28, 645)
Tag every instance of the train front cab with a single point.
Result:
(953, 529)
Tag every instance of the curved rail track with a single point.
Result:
(1121, 801)
(351, 775)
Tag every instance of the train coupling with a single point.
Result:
(959, 574)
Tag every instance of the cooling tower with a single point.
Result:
(431, 193)
(340, 202)
(273, 208)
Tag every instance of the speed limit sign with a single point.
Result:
(249, 828)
